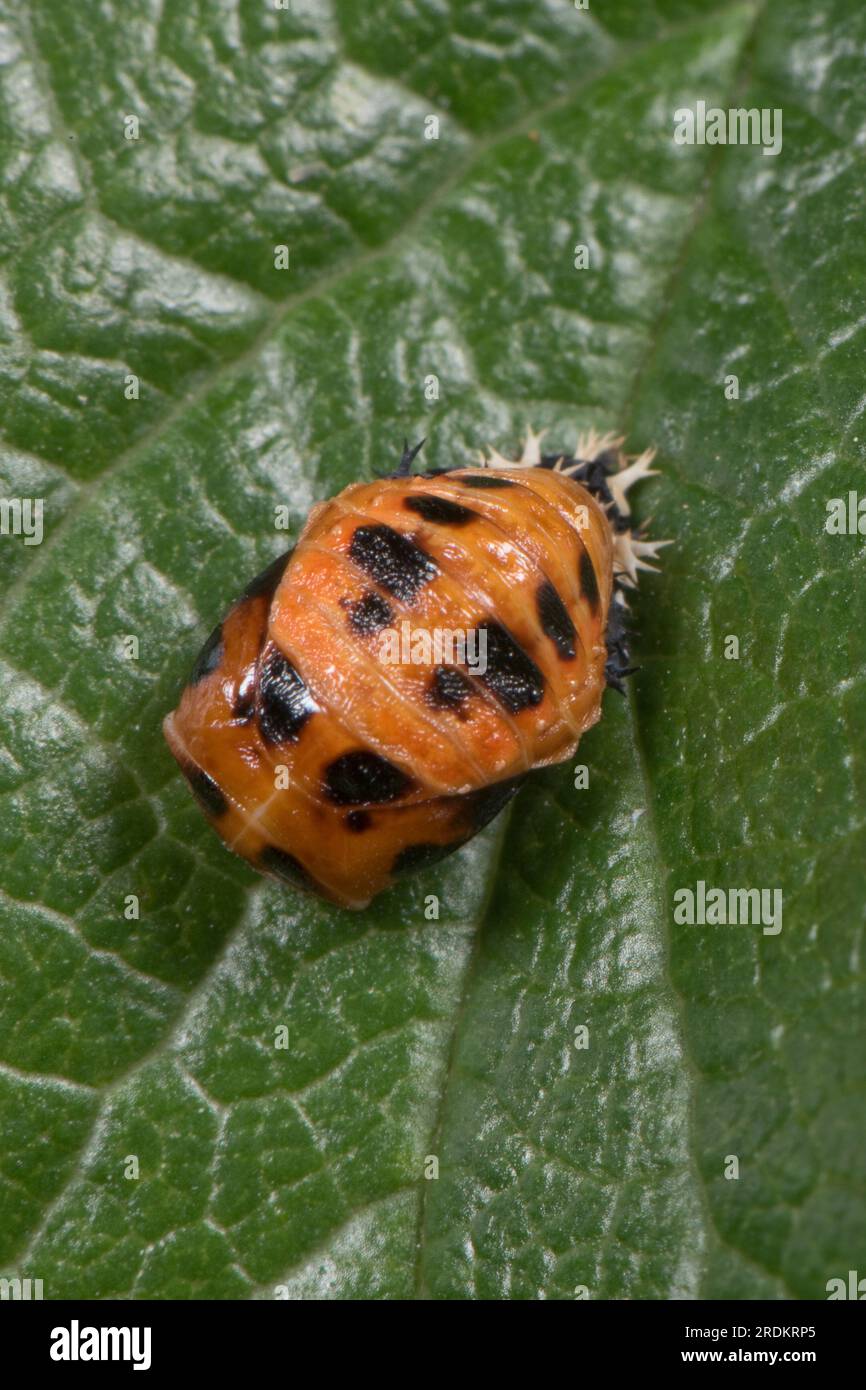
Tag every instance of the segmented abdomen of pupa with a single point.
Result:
(325, 734)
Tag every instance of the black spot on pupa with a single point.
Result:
(359, 821)
(555, 622)
(448, 688)
(392, 560)
(511, 674)
(356, 778)
(588, 581)
(206, 790)
(209, 658)
(441, 511)
(486, 803)
(486, 480)
(265, 584)
(421, 856)
(370, 614)
(284, 702)
(286, 867)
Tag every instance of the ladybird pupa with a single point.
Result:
(325, 734)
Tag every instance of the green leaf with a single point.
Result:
(559, 1168)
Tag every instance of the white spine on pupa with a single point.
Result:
(631, 550)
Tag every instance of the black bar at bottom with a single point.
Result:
(275, 1338)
